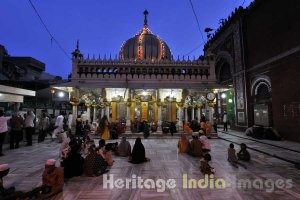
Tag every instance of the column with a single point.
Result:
(210, 114)
(180, 116)
(159, 122)
(74, 111)
(173, 111)
(102, 111)
(185, 115)
(16, 106)
(128, 122)
(94, 114)
(199, 112)
(113, 111)
(107, 111)
(88, 112)
(193, 112)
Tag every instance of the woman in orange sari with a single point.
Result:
(187, 129)
(104, 128)
(183, 144)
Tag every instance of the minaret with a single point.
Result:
(76, 57)
(76, 53)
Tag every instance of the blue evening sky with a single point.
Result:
(102, 26)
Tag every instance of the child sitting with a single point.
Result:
(243, 154)
(232, 157)
(205, 167)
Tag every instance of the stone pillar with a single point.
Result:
(16, 106)
(193, 112)
(88, 112)
(180, 116)
(199, 113)
(159, 122)
(74, 102)
(113, 111)
(174, 111)
(94, 113)
(128, 121)
(107, 112)
(102, 111)
(185, 115)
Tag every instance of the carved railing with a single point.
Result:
(101, 68)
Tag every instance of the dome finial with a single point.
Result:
(145, 20)
(77, 44)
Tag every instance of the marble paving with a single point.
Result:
(267, 177)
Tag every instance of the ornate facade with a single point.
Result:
(144, 82)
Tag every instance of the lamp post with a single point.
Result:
(52, 91)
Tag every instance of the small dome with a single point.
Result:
(145, 46)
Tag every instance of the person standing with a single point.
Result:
(104, 126)
(70, 118)
(29, 127)
(3, 129)
(44, 127)
(59, 126)
(16, 123)
(225, 121)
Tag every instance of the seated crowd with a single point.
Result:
(78, 157)
(200, 147)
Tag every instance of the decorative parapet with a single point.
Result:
(112, 68)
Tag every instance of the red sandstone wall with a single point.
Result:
(286, 91)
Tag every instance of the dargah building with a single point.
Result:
(146, 83)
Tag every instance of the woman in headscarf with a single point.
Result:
(138, 154)
(94, 164)
(183, 144)
(186, 128)
(104, 128)
(124, 148)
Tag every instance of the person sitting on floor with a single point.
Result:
(243, 154)
(183, 144)
(195, 147)
(124, 148)
(186, 128)
(86, 145)
(205, 167)
(204, 141)
(4, 169)
(232, 157)
(53, 182)
(208, 129)
(101, 147)
(73, 163)
(94, 164)
(108, 155)
(138, 154)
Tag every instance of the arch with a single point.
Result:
(260, 81)
(224, 66)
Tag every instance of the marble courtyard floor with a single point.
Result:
(268, 177)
